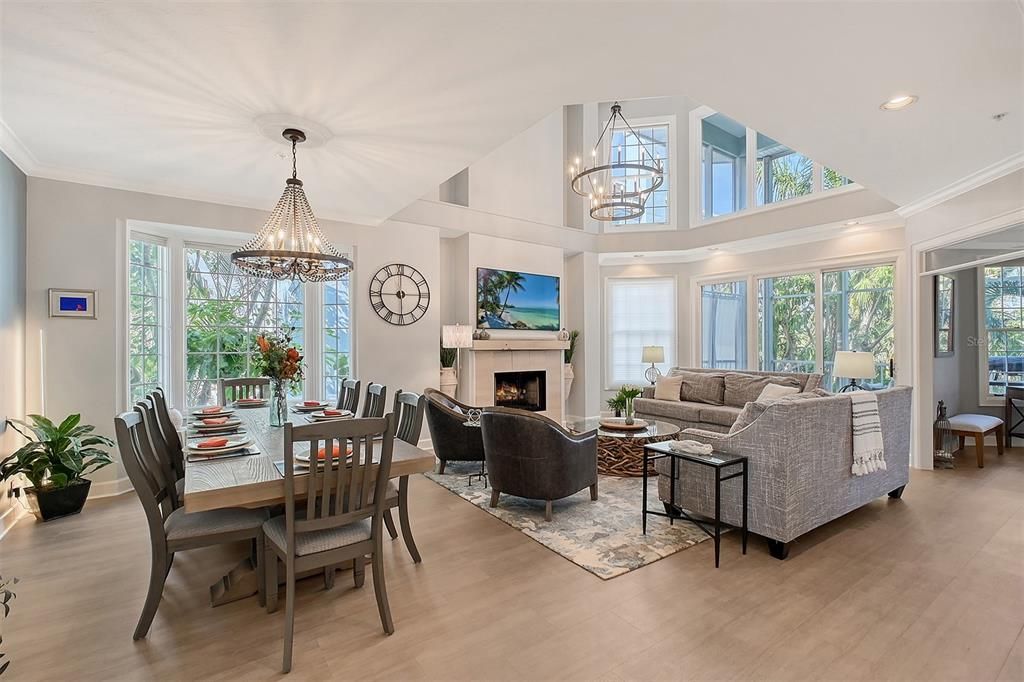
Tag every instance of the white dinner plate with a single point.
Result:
(321, 417)
(251, 402)
(311, 408)
(223, 411)
(231, 446)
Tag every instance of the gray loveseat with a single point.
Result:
(711, 399)
(800, 453)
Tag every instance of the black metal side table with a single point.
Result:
(717, 461)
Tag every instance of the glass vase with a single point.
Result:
(628, 411)
(278, 404)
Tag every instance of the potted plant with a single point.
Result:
(567, 374)
(617, 404)
(55, 461)
(449, 381)
(6, 595)
(278, 359)
(628, 394)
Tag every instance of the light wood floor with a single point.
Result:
(930, 587)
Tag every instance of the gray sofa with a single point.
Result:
(736, 389)
(800, 453)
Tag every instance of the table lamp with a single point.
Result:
(653, 354)
(853, 365)
(457, 336)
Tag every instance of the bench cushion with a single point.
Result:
(974, 423)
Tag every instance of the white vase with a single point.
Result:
(567, 377)
(449, 382)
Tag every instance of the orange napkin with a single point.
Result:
(215, 409)
(335, 451)
(310, 403)
(215, 421)
(213, 443)
(333, 413)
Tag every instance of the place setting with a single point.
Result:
(308, 406)
(303, 459)
(247, 403)
(326, 415)
(216, 426)
(220, 447)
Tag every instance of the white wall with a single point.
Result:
(524, 178)
(73, 241)
(12, 314)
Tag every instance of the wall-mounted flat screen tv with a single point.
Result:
(516, 300)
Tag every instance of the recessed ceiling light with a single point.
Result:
(851, 223)
(638, 255)
(898, 102)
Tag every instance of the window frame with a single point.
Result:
(817, 269)
(746, 316)
(164, 371)
(695, 161)
(985, 399)
(176, 239)
(673, 174)
(671, 348)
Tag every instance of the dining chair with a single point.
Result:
(348, 396)
(342, 520)
(161, 449)
(172, 530)
(170, 433)
(230, 390)
(408, 411)
(376, 401)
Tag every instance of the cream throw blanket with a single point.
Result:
(868, 453)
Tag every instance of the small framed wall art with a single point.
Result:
(73, 303)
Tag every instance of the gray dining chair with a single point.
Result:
(348, 395)
(172, 530)
(162, 451)
(169, 432)
(230, 390)
(341, 521)
(376, 401)
(408, 412)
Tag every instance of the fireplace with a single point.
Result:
(524, 390)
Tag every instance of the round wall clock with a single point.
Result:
(399, 294)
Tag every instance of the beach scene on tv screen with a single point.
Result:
(516, 300)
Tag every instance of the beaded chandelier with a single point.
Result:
(290, 244)
(617, 188)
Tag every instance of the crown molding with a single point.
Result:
(17, 152)
(984, 176)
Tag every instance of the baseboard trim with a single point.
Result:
(10, 517)
(113, 488)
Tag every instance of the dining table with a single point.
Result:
(256, 480)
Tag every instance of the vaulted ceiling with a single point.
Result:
(166, 97)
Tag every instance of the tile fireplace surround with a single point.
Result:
(485, 358)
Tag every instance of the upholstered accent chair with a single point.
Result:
(529, 455)
(452, 441)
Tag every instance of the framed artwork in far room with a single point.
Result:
(73, 303)
(945, 310)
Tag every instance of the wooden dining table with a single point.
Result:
(256, 481)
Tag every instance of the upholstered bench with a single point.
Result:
(977, 426)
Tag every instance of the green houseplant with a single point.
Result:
(55, 461)
(448, 378)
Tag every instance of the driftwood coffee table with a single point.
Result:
(621, 453)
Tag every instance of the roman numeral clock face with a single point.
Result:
(399, 294)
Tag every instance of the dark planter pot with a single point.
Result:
(53, 504)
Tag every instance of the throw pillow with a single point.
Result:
(751, 411)
(776, 391)
(702, 387)
(741, 389)
(668, 388)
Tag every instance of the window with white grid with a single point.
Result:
(637, 146)
(641, 312)
(147, 274)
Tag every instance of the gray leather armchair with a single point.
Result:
(529, 455)
(451, 440)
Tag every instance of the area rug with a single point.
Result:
(603, 537)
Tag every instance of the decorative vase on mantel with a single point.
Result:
(278, 403)
(449, 381)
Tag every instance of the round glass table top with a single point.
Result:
(655, 429)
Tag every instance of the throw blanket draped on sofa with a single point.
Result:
(868, 452)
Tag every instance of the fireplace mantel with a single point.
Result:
(519, 344)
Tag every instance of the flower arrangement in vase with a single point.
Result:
(280, 360)
(624, 399)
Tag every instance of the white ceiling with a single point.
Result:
(163, 97)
